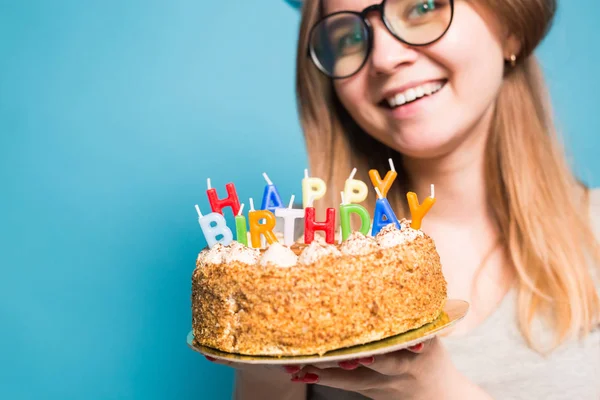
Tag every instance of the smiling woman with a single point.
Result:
(453, 93)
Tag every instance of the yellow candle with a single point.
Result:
(312, 189)
(265, 229)
(418, 211)
(355, 191)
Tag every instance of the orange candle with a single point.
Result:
(418, 211)
(384, 184)
(257, 229)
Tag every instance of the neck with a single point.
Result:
(460, 187)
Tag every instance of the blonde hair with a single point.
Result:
(543, 230)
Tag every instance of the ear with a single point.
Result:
(512, 46)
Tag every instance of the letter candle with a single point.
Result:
(214, 225)
(310, 225)
(385, 184)
(240, 227)
(256, 228)
(271, 199)
(312, 189)
(383, 209)
(217, 205)
(289, 216)
(418, 211)
(355, 191)
(346, 224)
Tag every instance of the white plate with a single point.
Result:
(454, 311)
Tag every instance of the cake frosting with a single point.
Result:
(279, 255)
(244, 254)
(357, 244)
(318, 249)
(391, 236)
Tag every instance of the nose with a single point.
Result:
(388, 53)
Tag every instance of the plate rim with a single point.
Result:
(315, 359)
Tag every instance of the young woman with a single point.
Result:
(451, 91)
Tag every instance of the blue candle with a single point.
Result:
(215, 228)
(271, 199)
(383, 209)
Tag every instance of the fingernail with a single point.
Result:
(291, 369)
(366, 360)
(417, 347)
(348, 365)
(310, 378)
(210, 358)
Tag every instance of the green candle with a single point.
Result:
(365, 218)
(240, 227)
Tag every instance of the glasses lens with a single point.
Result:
(418, 22)
(339, 44)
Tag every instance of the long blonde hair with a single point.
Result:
(544, 229)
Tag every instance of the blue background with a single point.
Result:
(112, 115)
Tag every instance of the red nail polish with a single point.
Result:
(417, 347)
(348, 365)
(291, 369)
(210, 358)
(366, 360)
(310, 378)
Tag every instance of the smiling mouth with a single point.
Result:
(412, 95)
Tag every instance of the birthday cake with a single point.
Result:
(290, 297)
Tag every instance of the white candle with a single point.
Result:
(289, 216)
(355, 191)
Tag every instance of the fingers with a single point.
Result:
(362, 379)
(390, 364)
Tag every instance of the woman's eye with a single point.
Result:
(422, 8)
(349, 40)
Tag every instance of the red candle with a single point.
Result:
(310, 225)
(217, 205)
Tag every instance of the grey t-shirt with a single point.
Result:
(496, 357)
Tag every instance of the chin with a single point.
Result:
(423, 143)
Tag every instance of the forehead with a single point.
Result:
(331, 6)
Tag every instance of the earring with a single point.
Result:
(513, 60)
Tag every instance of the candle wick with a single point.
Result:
(208, 183)
(352, 174)
(378, 193)
(251, 204)
(267, 179)
(291, 201)
(198, 210)
(392, 165)
(432, 191)
(306, 173)
(241, 209)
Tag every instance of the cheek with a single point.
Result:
(473, 57)
(353, 94)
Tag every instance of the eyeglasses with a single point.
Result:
(340, 43)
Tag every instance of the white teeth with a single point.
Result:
(414, 93)
(400, 99)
